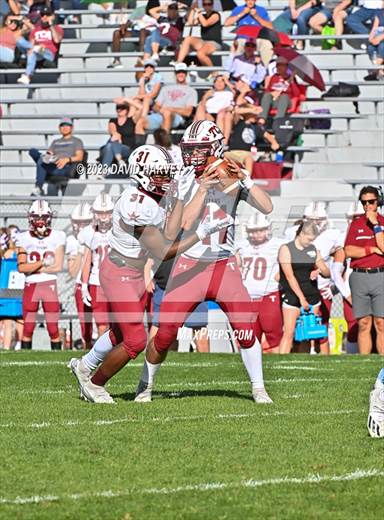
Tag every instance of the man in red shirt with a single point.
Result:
(279, 92)
(45, 41)
(364, 244)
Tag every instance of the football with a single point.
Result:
(226, 176)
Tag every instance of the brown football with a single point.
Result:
(226, 176)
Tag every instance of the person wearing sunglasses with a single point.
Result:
(11, 36)
(364, 244)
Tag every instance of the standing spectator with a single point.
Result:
(149, 87)
(331, 10)
(364, 244)
(300, 264)
(215, 101)
(248, 65)
(122, 136)
(167, 33)
(280, 91)
(173, 106)
(11, 253)
(60, 161)
(210, 40)
(376, 43)
(358, 21)
(11, 37)
(252, 15)
(45, 39)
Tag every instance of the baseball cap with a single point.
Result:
(66, 121)
(250, 42)
(181, 67)
(149, 63)
(45, 11)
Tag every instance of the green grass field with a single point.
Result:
(202, 449)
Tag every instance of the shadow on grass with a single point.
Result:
(187, 393)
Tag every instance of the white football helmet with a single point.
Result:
(316, 211)
(40, 217)
(355, 209)
(258, 229)
(152, 167)
(202, 139)
(81, 216)
(102, 210)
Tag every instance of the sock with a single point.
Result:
(99, 378)
(27, 345)
(55, 345)
(252, 359)
(149, 372)
(99, 351)
(140, 139)
(351, 347)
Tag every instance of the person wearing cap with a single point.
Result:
(45, 39)
(150, 84)
(173, 106)
(279, 92)
(364, 245)
(251, 14)
(60, 160)
(248, 64)
(168, 32)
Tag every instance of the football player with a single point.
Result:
(81, 217)
(138, 220)
(259, 265)
(96, 246)
(40, 257)
(209, 270)
(328, 242)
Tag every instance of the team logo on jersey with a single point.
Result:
(134, 216)
(312, 254)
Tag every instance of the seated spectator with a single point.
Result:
(251, 14)
(245, 134)
(122, 136)
(376, 42)
(168, 32)
(126, 30)
(300, 12)
(45, 39)
(60, 160)
(358, 21)
(172, 108)
(149, 87)
(11, 37)
(162, 138)
(215, 101)
(210, 40)
(300, 262)
(248, 64)
(331, 10)
(281, 89)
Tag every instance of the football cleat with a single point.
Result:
(143, 393)
(375, 422)
(81, 372)
(260, 396)
(96, 394)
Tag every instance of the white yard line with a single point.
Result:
(175, 418)
(356, 474)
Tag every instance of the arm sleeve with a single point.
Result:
(337, 269)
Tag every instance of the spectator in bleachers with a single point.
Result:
(60, 160)
(376, 42)
(122, 136)
(126, 30)
(168, 32)
(248, 64)
(11, 37)
(172, 108)
(162, 138)
(149, 87)
(211, 38)
(45, 39)
(331, 10)
(251, 14)
(358, 22)
(213, 104)
(280, 91)
(301, 11)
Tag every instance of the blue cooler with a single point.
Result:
(11, 288)
(309, 326)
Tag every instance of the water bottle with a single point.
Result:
(279, 157)
(295, 29)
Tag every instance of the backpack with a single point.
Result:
(287, 130)
(344, 90)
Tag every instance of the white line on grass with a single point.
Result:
(357, 474)
(173, 418)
